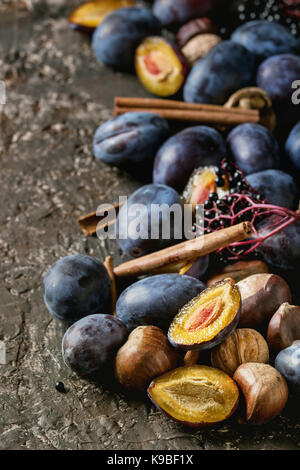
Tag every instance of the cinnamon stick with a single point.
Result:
(173, 104)
(191, 358)
(108, 263)
(225, 118)
(190, 249)
(89, 223)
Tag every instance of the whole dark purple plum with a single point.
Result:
(117, 37)
(292, 146)
(77, 286)
(276, 76)
(138, 215)
(189, 149)
(130, 141)
(89, 345)
(156, 300)
(265, 39)
(226, 68)
(253, 148)
(176, 12)
(278, 187)
(198, 268)
(281, 250)
(287, 362)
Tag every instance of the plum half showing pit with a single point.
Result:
(160, 66)
(89, 15)
(207, 319)
(195, 395)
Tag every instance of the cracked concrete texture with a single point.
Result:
(57, 94)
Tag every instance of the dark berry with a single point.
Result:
(220, 182)
(213, 196)
(220, 172)
(209, 214)
(208, 205)
(60, 387)
(237, 175)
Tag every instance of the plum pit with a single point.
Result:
(160, 66)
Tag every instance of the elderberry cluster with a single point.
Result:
(232, 208)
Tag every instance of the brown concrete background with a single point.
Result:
(57, 94)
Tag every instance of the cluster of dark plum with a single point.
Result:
(260, 52)
(200, 165)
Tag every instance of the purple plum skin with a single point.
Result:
(199, 267)
(278, 187)
(146, 195)
(90, 344)
(181, 154)
(119, 34)
(225, 69)
(253, 148)
(265, 39)
(77, 286)
(292, 146)
(130, 141)
(276, 76)
(156, 300)
(287, 362)
(281, 250)
(177, 12)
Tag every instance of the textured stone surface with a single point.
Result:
(56, 96)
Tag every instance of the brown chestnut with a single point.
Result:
(284, 327)
(264, 389)
(261, 295)
(193, 28)
(239, 270)
(146, 354)
(197, 47)
(243, 345)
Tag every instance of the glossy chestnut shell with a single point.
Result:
(264, 389)
(284, 327)
(261, 294)
(146, 354)
(243, 345)
(208, 319)
(195, 395)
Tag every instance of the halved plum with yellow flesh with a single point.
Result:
(201, 183)
(195, 395)
(89, 15)
(160, 66)
(207, 319)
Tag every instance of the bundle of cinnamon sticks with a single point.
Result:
(188, 112)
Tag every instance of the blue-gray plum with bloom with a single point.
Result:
(292, 146)
(265, 39)
(155, 230)
(191, 148)
(118, 35)
(225, 69)
(90, 344)
(253, 148)
(278, 187)
(287, 362)
(77, 286)
(278, 75)
(130, 141)
(156, 300)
